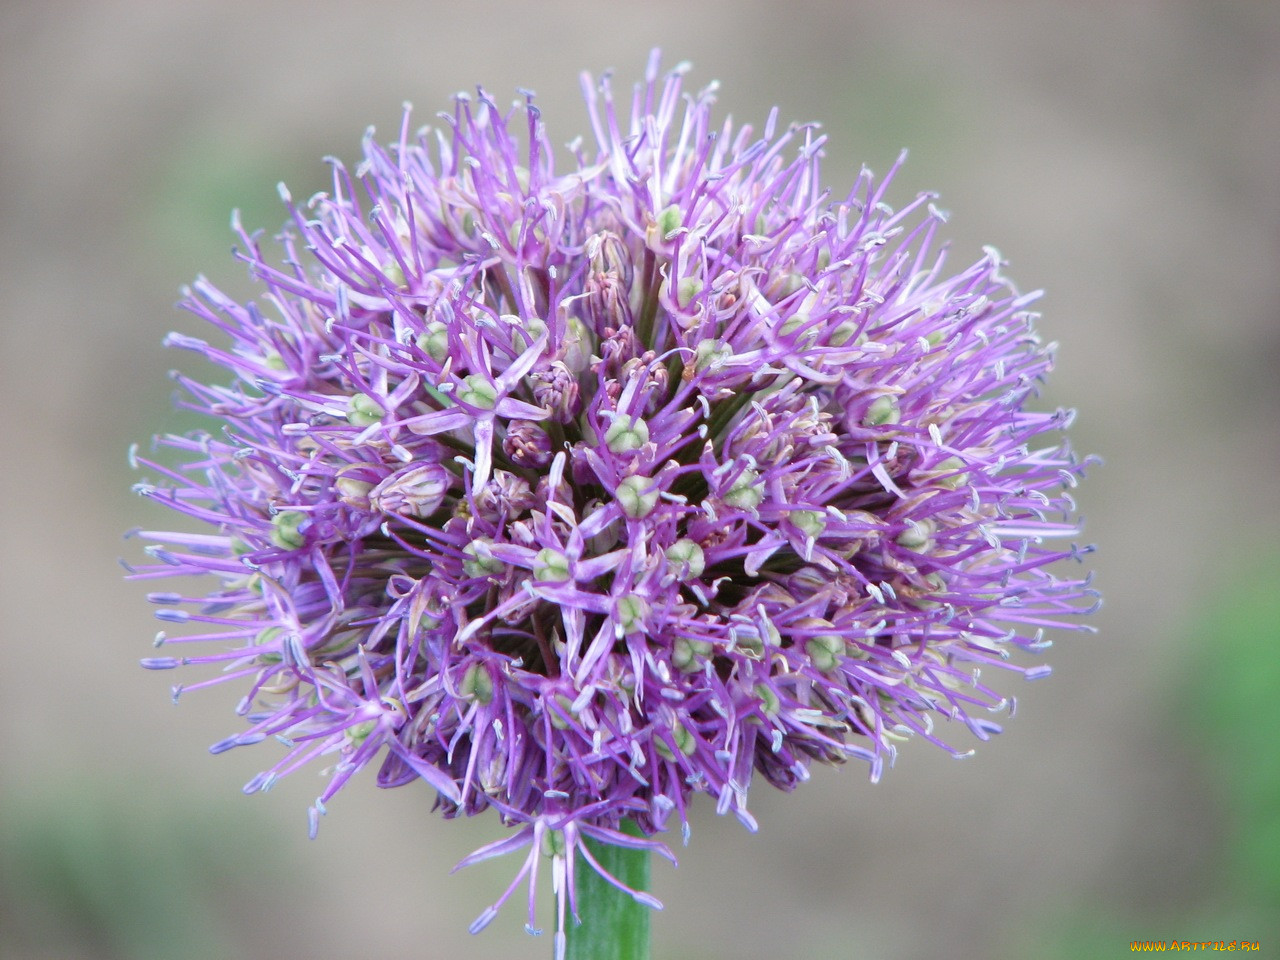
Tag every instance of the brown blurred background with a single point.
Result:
(1124, 156)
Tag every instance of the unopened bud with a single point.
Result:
(354, 483)
(608, 255)
(637, 496)
(824, 649)
(284, 529)
(684, 741)
(478, 391)
(551, 566)
(687, 654)
(747, 492)
(668, 222)
(710, 355)
(434, 341)
(687, 559)
(477, 684)
(811, 523)
(556, 390)
(478, 561)
(883, 410)
(629, 613)
(577, 346)
(553, 844)
(363, 410)
(416, 490)
(527, 444)
(916, 535)
(769, 702)
(504, 495)
(687, 289)
(626, 434)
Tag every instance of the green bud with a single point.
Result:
(557, 719)
(528, 330)
(434, 341)
(553, 844)
(685, 742)
(522, 178)
(791, 282)
(710, 355)
(630, 612)
(954, 477)
(883, 410)
(394, 274)
(551, 566)
(809, 522)
(843, 333)
(477, 684)
(351, 489)
(688, 559)
(687, 289)
(925, 596)
(916, 535)
(477, 391)
(669, 221)
(477, 561)
(768, 699)
(687, 654)
(637, 496)
(284, 529)
(626, 434)
(752, 642)
(357, 733)
(746, 493)
(577, 346)
(363, 410)
(273, 360)
(825, 650)
(794, 323)
(267, 635)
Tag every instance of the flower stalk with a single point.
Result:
(615, 926)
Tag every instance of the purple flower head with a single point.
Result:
(576, 492)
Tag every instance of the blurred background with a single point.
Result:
(1123, 156)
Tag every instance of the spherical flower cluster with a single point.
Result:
(574, 494)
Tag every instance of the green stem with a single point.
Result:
(649, 306)
(614, 926)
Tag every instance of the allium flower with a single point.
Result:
(576, 493)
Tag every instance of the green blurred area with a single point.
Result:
(198, 182)
(1224, 709)
(110, 872)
